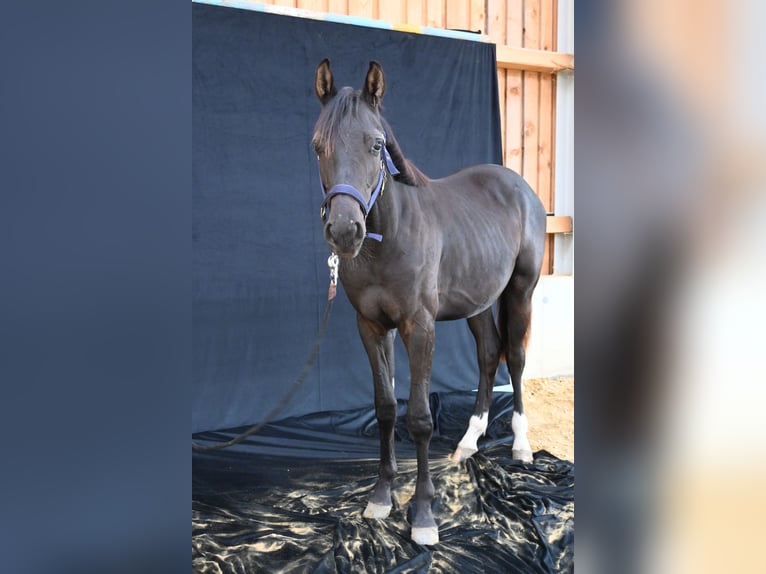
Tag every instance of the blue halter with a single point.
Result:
(344, 189)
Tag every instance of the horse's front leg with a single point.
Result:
(379, 344)
(418, 337)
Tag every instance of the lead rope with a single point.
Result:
(333, 262)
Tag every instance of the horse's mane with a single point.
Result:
(347, 102)
(408, 171)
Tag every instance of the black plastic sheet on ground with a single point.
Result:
(290, 499)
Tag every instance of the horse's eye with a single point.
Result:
(377, 147)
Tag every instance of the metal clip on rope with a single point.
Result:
(333, 262)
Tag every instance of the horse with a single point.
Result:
(415, 250)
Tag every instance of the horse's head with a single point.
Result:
(349, 140)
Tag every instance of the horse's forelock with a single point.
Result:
(327, 127)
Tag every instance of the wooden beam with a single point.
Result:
(533, 60)
(559, 224)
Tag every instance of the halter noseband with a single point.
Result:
(350, 190)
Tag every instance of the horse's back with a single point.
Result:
(515, 197)
(492, 193)
(490, 220)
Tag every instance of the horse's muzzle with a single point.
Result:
(345, 235)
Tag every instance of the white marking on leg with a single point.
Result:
(521, 447)
(393, 383)
(477, 426)
(378, 511)
(427, 536)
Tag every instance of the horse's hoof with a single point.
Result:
(462, 453)
(426, 536)
(377, 510)
(522, 455)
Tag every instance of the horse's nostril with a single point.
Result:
(344, 233)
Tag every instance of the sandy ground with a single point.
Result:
(549, 404)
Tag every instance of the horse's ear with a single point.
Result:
(324, 86)
(374, 85)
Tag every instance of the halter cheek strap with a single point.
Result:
(389, 162)
(345, 189)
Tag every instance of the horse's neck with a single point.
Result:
(384, 217)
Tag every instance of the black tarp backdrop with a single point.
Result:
(259, 260)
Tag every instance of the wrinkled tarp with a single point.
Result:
(290, 499)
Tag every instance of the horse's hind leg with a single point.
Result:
(488, 353)
(379, 345)
(515, 316)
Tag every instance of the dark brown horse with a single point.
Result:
(415, 251)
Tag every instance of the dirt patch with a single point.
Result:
(549, 404)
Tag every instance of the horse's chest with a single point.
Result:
(374, 304)
(385, 304)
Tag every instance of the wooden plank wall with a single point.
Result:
(527, 99)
